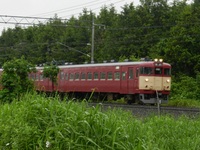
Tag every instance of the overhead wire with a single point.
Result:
(96, 8)
(76, 7)
(68, 8)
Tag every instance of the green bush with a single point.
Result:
(14, 79)
(186, 88)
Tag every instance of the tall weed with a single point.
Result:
(37, 122)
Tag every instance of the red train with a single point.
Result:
(142, 81)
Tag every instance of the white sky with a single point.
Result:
(48, 8)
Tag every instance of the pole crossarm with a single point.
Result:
(25, 20)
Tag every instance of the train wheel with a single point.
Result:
(129, 99)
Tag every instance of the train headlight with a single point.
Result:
(161, 60)
(146, 79)
(168, 80)
(156, 60)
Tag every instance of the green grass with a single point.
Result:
(184, 103)
(36, 122)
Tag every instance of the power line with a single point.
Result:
(96, 7)
(68, 8)
(78, 7)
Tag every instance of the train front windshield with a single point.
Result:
(155, 71)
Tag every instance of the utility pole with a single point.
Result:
(93, 32)
(92, 48)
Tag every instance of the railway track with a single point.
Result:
(146, 110)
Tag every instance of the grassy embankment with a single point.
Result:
(184, 103)
(37, 122)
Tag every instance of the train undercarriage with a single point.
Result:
(128, 98)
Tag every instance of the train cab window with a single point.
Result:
(158, 71)
(76, 76)
(83, 77)
(167, 71)
(130, 72)
(117, 75)
(62, 75)
(123, 75)
(89, 76)
(103, 76)
(71, 77)
(146, 70)
(110, 76)
(96, 76)
(66, 76)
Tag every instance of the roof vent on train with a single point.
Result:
(112, 61)
(145, 59)
(126, 60)
(105, 61)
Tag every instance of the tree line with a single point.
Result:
(155, 28)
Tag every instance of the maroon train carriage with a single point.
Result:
(142, 81)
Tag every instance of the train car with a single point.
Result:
(142, 81)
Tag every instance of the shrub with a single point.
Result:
(186, 88)
(14, 79)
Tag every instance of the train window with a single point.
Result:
(33, 76)
(110, 76)
(41, 77)
(29, 76)
(117, 75)
(37, 77)
(96, 76)
(83, 77)
(123, 75)
(130, 72)
(71, 76)
(66, 76)
(158, 71)
(103, 76)
(89, 76)
(62, 75)
(76, 76)
(146, 70)
(167, 71)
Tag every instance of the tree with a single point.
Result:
(51, 71)
(14, 79)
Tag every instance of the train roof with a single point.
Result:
(107, 64)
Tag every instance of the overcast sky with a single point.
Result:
(48, 8)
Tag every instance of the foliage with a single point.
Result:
(37, 122)
(14, 79)
(186, 88)
(51, 71)
(180, 102)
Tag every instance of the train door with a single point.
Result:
(130, 80)
(136, 82)
(158, 79)
(123, 80)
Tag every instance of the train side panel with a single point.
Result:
(98, 79)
